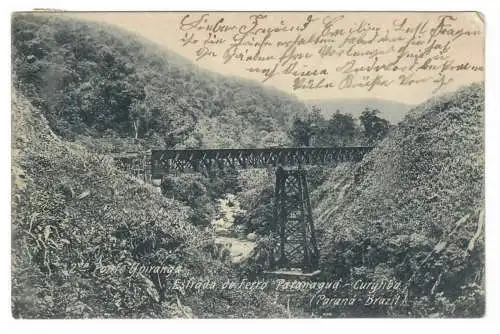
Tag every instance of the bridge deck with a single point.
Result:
(165, 161)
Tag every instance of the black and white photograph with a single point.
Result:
(247, 165)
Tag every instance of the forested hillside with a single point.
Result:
(83, 88)
(76, 219)
(413, 209)
(91, 79)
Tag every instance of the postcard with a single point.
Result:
(247, 165)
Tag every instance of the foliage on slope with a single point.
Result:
(413, 209)
(91, 79)
(74, 217)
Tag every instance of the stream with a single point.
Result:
(239, 245)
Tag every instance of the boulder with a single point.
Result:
(223, 232)
(251, 236)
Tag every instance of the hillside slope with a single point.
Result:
(75, 218)
(92, 79)
(413, 209)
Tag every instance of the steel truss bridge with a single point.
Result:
(295, 250)
(204, 160)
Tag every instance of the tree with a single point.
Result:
(303, 129)
(339, 130)
(374, 128)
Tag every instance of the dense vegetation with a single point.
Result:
(413, 209)
(90, 79)
(313, 129)
(74, 215)
(100, 86)
(90, 88)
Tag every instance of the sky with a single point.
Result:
(164, 28)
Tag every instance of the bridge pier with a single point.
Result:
(293, 225)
